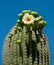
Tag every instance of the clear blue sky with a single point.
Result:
(8, 16)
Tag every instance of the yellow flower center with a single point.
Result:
(28, 19)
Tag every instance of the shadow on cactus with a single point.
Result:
(26, 44)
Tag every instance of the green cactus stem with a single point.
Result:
(26, 44)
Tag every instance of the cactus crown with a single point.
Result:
(30, 19)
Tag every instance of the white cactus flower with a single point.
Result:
(27, 19)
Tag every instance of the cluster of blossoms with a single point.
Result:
(30, 17)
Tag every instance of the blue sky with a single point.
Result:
(8, 16)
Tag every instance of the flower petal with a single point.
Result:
(29, 20)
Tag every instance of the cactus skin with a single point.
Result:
(26, 47)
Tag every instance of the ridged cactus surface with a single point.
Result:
(26, 44)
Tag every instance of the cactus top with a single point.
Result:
(30, 18)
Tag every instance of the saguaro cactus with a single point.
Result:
(26, 44)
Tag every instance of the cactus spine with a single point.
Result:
(26, 44)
